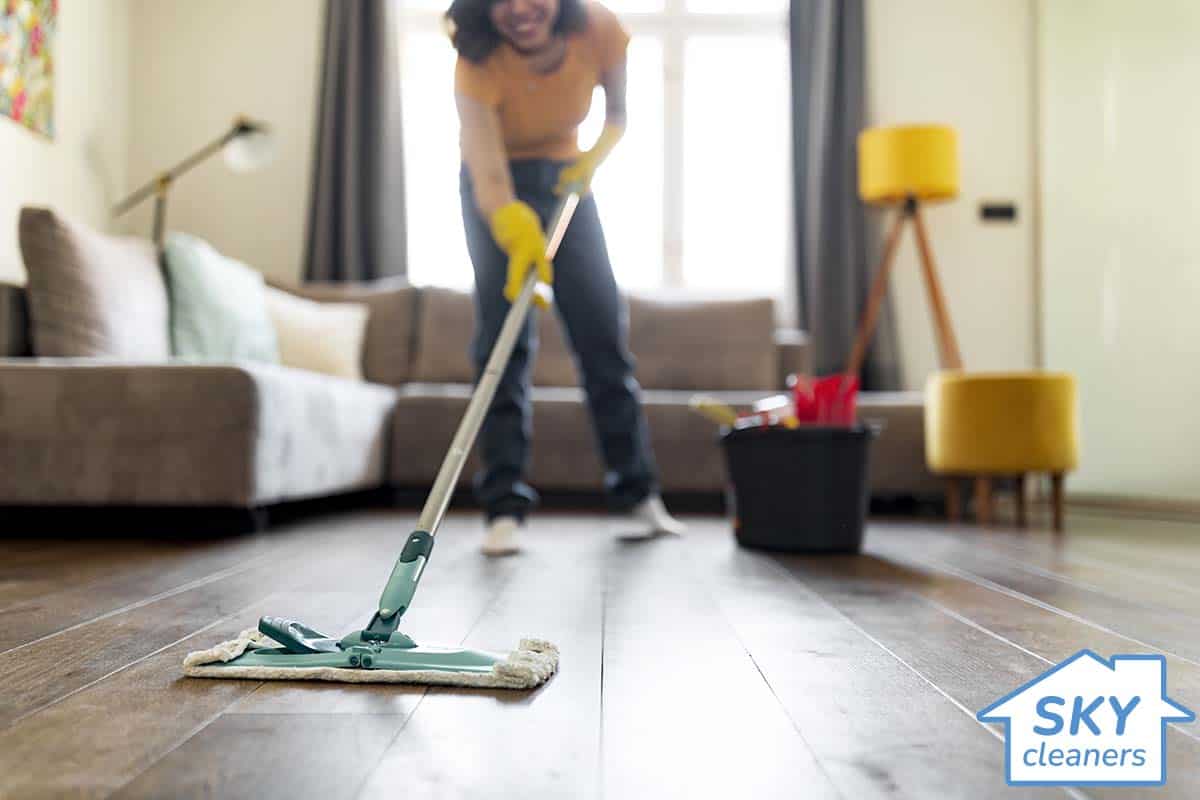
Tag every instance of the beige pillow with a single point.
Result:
(92, 295)
(319, 337)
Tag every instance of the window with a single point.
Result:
(697, 194)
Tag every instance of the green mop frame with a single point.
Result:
(380, 645)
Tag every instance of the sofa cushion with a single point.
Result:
(14, 322)
(445, 326)
(391, 325)
(704, 344)
(218, 305)
(898, 457)
(92, 294)
(88, 432)
(321, 337)
(678, 343)
(563, 455)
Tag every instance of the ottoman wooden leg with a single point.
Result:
(1056, 498)
(983, 500)
(954, 501)
(1022, 519)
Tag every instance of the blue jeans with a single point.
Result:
(586, 297)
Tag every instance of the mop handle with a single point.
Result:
(402, 585)
(485, 390)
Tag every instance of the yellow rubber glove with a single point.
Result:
(581, 171)
(518, 231)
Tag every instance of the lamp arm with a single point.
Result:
(165, 178)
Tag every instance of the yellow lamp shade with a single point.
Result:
(917, 160)
(1001, 423)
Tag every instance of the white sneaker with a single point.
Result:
(501, 538)
(652, 517)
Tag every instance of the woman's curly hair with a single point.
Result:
(475, 37)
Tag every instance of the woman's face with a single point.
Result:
(526, 24)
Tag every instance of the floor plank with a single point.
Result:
(28, 573)
(964, 659)
(252, 755)
(1047, 637)
(127, 576)
(690, 668)
(686, 711)
(477, 744)
(881, 729)
(1050, 558)
(1148, 626)
(50, 667)
(96, 740)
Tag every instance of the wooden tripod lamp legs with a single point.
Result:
(879, 286)
(951, 357)
(947, 341)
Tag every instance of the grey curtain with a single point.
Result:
(356, 223)
(836, 249)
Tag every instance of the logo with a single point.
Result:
(1089, 721)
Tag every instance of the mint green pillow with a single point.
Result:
(218, 305)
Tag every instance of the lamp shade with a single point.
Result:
(910, 160)
(250, 148)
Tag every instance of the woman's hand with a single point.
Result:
(578, 176)
(518, 231)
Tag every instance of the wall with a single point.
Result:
(83, 169)
(197, 65)
(968, 64)
(1121, 260)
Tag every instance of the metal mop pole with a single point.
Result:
(402, 584)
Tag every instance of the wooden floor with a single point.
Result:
(690, 668)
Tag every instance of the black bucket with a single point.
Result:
(802, 490)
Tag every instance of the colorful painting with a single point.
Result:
(27, 62)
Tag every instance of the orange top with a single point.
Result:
(540, 114)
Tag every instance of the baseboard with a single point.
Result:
(1127, 505)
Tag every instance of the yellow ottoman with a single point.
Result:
(1001, 424)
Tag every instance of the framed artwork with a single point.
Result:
(27, 42)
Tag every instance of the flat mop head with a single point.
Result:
(286, 650)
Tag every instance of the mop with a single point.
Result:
(283, 649)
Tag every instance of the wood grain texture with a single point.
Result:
(95, 740)
(686, 710)
(840, 688)
(72, 592)
(690, 668)
(254, 755)
(482, 744)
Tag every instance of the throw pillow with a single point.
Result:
(92, 295)
(320, 337)
(218, 305)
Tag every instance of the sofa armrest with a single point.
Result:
(388, 350)
(87, 431)
(795, 353)
(103, 432)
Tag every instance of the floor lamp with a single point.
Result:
(246, 146)
(905, 167)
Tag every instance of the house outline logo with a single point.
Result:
(1077, 696)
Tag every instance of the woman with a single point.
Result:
(524, 81)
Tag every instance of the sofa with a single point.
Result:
(103, 430)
